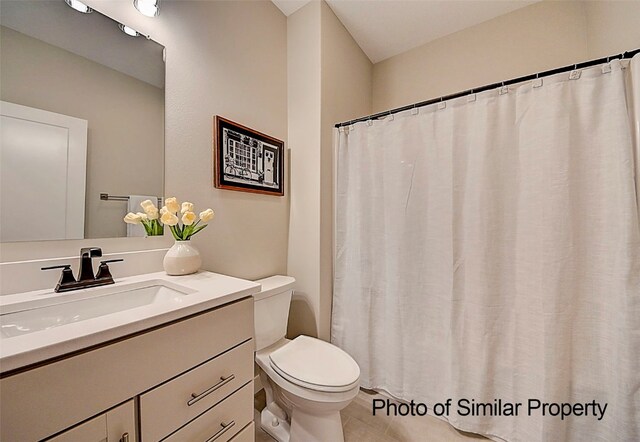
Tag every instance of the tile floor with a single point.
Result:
(361, 426)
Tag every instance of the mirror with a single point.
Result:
(82, 114)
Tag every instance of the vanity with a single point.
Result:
(149, 358)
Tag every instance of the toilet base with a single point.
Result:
(304, 427)
(279, 432)
(316, 428)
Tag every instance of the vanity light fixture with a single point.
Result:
(128, 30)
(79, 6)
(150, 8)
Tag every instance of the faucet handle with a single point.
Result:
(63, 266)
(103, 270)
(66, 277)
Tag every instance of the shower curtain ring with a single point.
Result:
(471, 97)
(575, 73)
(538, 80)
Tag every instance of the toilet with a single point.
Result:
(307, 381)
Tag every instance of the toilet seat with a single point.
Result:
(316, 365)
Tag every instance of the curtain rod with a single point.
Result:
(571, 67)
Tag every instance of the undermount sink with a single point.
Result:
(42, 314)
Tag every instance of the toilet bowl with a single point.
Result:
(307, 381)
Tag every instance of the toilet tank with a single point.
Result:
(271, 309)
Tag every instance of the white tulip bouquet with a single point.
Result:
(153, 219)
(149, 219)
(190, 225)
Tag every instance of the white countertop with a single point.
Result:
(206, 290)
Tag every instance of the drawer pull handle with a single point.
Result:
(221, 431)
(124, 438)
(195, 397)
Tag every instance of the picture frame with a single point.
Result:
(246, 160)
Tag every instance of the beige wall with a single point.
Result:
(542, 36)
(304, 97)
(123, 156)
(329, 81)
(612, 27)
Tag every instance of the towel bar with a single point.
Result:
(107, 197)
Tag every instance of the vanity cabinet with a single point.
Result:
(191, 379)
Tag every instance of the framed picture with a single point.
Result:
(246, 160)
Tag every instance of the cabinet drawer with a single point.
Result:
(222, 422)
(180, 400)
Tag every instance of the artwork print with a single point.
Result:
(247, 160)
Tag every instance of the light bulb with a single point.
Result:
(128, 30)
(150, 8)
(79, 6)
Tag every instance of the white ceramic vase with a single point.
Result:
(182, 259)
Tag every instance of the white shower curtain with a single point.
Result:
(491, 250)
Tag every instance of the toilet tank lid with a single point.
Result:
(274, 285)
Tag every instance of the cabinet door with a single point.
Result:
(121, 423)
(116, 425)
(94, 430)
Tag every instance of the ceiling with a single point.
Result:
(384, 28)
(288, 7)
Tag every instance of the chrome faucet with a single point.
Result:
(86, 278)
